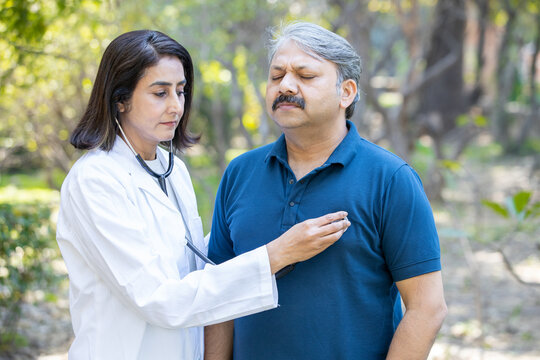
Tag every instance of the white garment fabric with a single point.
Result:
(155, 339)
(159, 168)
(132, 295)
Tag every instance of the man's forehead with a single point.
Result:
(290, 47)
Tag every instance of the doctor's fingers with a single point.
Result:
(337, 227)
(328, 218)
(336, 235)
(324, 225)
(332, 233)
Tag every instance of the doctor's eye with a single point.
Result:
(160, 93)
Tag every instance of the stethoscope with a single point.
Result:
(161, 180)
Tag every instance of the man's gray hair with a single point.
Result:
(322, 43)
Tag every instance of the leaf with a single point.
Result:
(51, 298)
(521, 199)
(534, 211)
(451, 165)
(497, 208)
(510, 206)
(480, 121)
(462, 120)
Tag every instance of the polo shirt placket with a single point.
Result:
(294, 194)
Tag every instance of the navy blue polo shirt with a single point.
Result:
(342, 303)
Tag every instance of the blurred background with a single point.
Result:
(451, 86)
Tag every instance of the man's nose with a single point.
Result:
(288, 84)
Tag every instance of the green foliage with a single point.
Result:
(22, 19)
(423, 157)
(497, 208)
(532, 146)
(26, 21)
(27, 251)
(477, 120)
(485, 152)
(517, 207)
(450, 165)
(24, 181)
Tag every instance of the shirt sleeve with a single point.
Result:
(99, 219)
(409, 236)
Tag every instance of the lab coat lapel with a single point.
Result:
(139, 176)
(183, 208)
(147, 184)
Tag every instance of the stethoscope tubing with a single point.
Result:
(162, 184)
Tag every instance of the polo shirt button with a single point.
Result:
(301, 181)
(291, 203)
(291, 181)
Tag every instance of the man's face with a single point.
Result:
(301, 89)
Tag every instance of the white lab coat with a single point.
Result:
(123, 242)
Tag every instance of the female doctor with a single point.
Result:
(129, 229)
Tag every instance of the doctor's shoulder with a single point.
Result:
(95, 166)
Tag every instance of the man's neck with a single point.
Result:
(309, 149)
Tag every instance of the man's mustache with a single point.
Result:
(289, 99)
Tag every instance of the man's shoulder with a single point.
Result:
(377, 156)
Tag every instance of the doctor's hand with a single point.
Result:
(306, 239)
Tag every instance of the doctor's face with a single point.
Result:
(156, 106)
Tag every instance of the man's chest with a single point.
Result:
(267, 205)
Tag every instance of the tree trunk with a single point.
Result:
(443, 100)
(504, 79)
(444, 97)
(533, 117)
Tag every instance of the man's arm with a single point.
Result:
(218, 341)
(423, 297)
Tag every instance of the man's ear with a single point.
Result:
(348, 92)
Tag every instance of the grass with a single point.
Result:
(26, 188)
(32, 180)
(24, 181)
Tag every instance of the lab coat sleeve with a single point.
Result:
(110, 234)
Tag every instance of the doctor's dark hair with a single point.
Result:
(123, 64)
(321, 43)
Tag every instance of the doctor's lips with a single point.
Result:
(288, 100)
(173, 122)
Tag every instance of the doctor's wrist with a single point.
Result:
(276, 257)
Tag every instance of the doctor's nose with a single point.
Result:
(176, 104)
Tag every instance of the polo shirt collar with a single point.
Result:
(343, 154)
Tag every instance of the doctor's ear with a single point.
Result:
(120, 107)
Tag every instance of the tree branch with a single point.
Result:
(510, 268)
(25, 49)
(431, 74)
